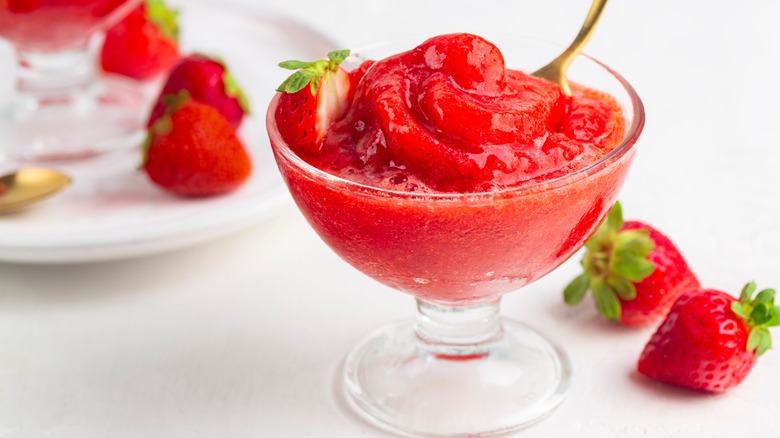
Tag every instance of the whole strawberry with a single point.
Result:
(208, 81)
(634, 272)
(305, 113)
(710, 341)
(191, 150)
(144, 44)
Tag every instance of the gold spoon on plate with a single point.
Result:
(555, 71)
(27, 186)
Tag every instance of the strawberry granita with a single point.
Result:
(456, 179)
(448, 117)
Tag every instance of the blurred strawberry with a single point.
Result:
(208, 81)
(191, 150)
(144, 44)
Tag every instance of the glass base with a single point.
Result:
(397, 382)
(103, 116)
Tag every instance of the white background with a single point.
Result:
(244, 336)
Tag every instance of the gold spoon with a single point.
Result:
(29, 185)
(555, 71)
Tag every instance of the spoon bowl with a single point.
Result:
(27, 186)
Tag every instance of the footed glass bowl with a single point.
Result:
(61, 108)
(460, 368)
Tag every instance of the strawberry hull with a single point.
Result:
(655, 294)
(453, 247)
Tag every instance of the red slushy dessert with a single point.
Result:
(49, 25)
(453, 178)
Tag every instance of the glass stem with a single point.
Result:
(57, 73)
(458, 331)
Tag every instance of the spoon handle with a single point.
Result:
(556, 69)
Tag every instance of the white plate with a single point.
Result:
(112, 211)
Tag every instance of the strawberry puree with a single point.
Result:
(448, 117)
(48, 25)
(455, 174)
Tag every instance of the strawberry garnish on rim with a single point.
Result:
(305, 113)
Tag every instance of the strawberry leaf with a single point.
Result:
(338, 55)
(233, 90)
(173, 102)
(145, 149)
(762, 315)
(162, 126)
(747, 292)
(637, 242)
(753, 340)
(314, 85)
(765, 296)
(296, 82)
(296, 65)
(606, 300)
(739, 310)
(615, 260)
(594, 243)
(165, 18)
(310, 72)
(774, 319)
(758, 314)
(575, 291)
(764, 343)
(605, 233)
(759, 340)
(615, 218)
(631, 266)
(622, 287)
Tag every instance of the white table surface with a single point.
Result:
(244, 337)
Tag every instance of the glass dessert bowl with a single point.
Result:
(460, 368)
(60, 107)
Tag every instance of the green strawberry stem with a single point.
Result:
(614, 261)
(165, 18)
(310, 73)
(173, 102)
(229, 83)
(233, 90)
(759, 314)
